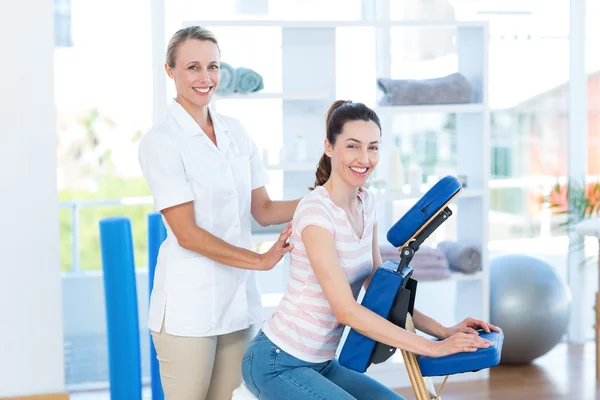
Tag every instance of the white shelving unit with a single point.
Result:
(333, 23)
(291, 166)
(309, 49)
(384, 111)
(267, 95)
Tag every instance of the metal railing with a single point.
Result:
(75, 206)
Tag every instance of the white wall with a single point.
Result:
(31, 349)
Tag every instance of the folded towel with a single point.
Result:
(227, 82)
(425, 257)
(247, 81)
(430, 274)
(462, 257)
(430, 259)
(428, 263)
(450, 89)
(389, 252)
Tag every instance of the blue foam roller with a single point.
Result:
(156, 236)
(121, 309)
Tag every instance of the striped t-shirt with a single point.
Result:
(304, 324)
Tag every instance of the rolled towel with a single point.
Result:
(450, 89)
(462, 257)
(247, 81)
(227, 82)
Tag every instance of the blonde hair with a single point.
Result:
(191, 32)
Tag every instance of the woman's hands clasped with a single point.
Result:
(269, 259)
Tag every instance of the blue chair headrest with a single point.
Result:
(425, 208)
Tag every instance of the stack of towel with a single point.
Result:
(238, 80)
(428, 264)
(450, 89)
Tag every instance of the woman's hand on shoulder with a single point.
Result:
(269, 259)
(459, 342)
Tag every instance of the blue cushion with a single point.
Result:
(465, 362)
(379, 298)
(425, 208)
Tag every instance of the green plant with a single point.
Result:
(577, 202)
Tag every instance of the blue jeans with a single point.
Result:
(271, 373)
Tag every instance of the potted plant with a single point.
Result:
(584, 198)
(583, 217)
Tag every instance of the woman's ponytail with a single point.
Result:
(324, 167)
(323, 171)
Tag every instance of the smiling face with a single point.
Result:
(356, 152)
(196, 72)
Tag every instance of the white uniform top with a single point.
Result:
(195, 295)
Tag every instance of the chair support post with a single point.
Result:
(422, 387)
(597, 322)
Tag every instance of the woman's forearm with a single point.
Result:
(378, 328)
(203, 242)
(279, 212)
(428, 325)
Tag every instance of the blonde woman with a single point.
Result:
(207, 180)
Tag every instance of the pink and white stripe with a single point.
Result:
(304, 324)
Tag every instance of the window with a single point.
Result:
(103, 97)
(62, 23)
(307, 10)
(501, 162)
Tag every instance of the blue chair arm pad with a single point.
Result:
(465, 362)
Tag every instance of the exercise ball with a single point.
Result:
(530, 303)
